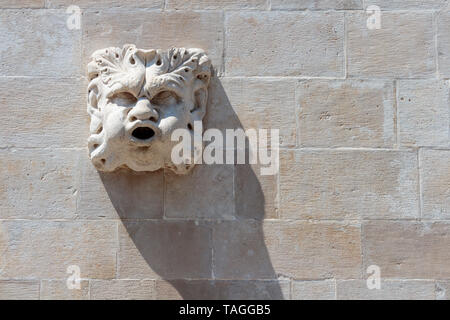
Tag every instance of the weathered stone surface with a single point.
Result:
(314, 290)
(435, 178)
(210, 194)
(164, 249)
(254, 104)
(94, 201)
(189, 29)
(348, 184)
(316, 4)
(350, 154)
(222, 289)
(54, 51)
(19, 290)
(408, 4)
(122, 289)
(355, 113)
(58, 290)
(38, 184)
(256, 195)
(166, 290)
(443, 42)
(44, 249)
(443, 290)
(302, 250)
(284, 44)
(152, 4)
(220, 114)
(22, 4)
(389, 290)
(314, 250)
(216, 4)
(240, 251)
(423, 113)
(407, 250)
(49, 113)
(121, 194)
(402, 47)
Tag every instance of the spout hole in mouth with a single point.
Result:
(143, 133)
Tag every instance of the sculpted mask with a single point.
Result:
(137, 98)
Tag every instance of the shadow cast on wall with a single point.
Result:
(201, 233)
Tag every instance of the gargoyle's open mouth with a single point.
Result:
(143, 133)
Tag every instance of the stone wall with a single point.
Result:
(364, 162)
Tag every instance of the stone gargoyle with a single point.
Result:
(137, 98)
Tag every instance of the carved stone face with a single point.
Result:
(137, 98)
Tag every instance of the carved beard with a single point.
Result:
(137, 99)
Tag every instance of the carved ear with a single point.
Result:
(201, 93)
(200, 100)
(92, 107)
(202, 77)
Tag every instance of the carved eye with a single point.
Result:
(165, 98)
(124, 98)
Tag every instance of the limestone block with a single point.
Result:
(443, 42)
(389, 290)
(216, 4)
(39, 43)
(19, 290)
(58, 290)
(221, 114)
(402, 48)
(284, 44)
(240, 251)
(164, 249)
(408, 4)
(222, 289)
(435, 178)
(9, 4)
(122, 289)
(49, 113)
(206, 193)
(102, 194)
(302, 250)
(316, 4)
(254, 104)
(190, 29)
(354, 113)
(314, 250)
(314, 290)
(423, 113)
(256, 195)
(407, 250)
(38, 184)
(151, 4)
(348, 184)
(44, 249)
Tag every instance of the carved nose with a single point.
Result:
(143, 110)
